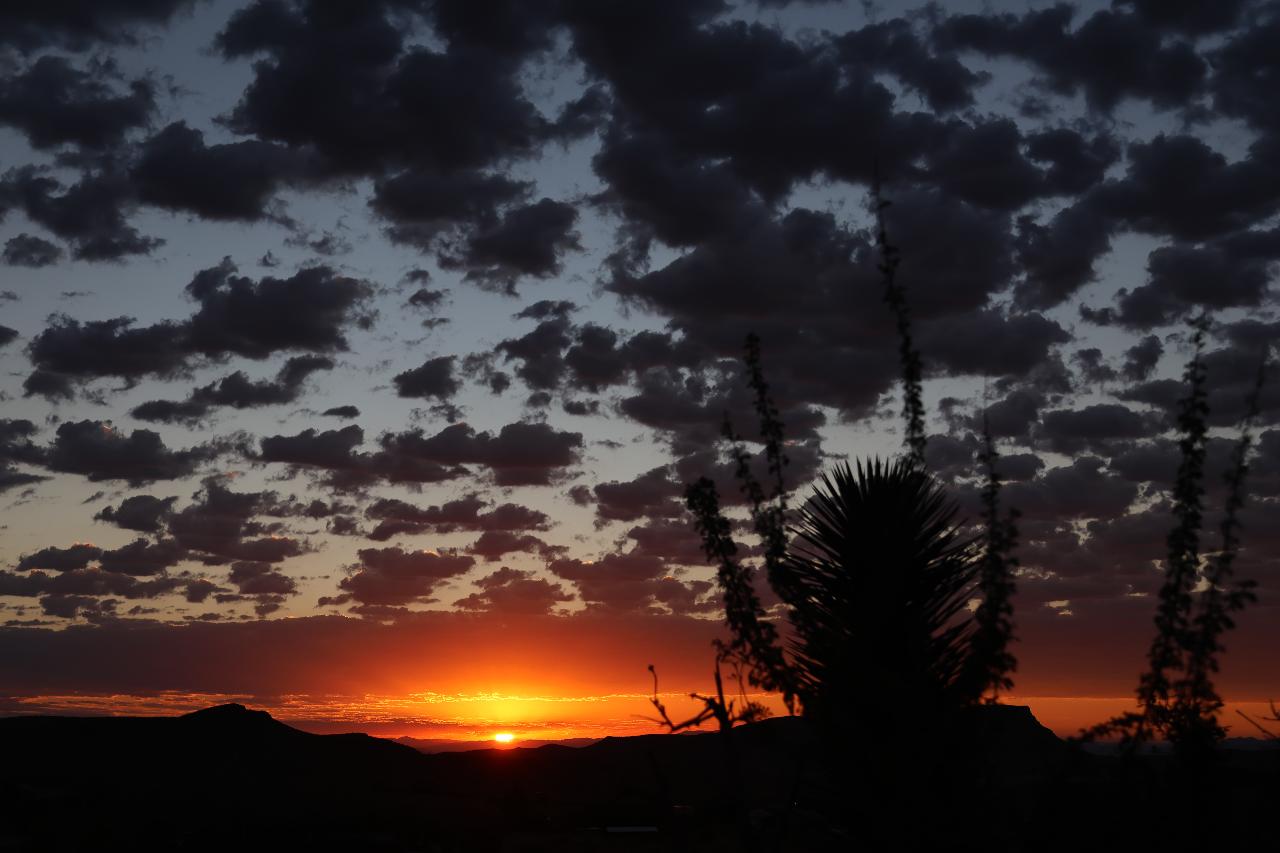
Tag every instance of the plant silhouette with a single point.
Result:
(873, 584)
(1198, 597)
(990, 661)
(874, 573)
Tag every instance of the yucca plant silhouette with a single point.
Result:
(875, 584)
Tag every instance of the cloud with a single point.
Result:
(529, 240)
(1093, 427)
(60, 559)
(1141, 358)
(493, 545)
(653, 494)
(234, 181)
(1110, 56)
(223, 526)
(26, 250)
(434, 378)
(310, 311)
(29, 26)
(90, 214)
(1244, 67)
(519, 454)
(393, 577)
(635, 582)
(237, 391)
(54, 103)
(510, 591)
(99, 451)
(17, 447)
(894, 47)
(397, 517)
(144, 513)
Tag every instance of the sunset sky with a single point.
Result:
(354, 357)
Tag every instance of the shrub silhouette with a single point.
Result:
(874, 582)
(1176, 696)
(990, 663)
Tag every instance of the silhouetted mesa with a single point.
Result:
(230, 778)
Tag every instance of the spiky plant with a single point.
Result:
(875, 584)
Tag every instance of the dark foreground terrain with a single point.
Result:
(232, 779)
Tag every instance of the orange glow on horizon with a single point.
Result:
(505, 719)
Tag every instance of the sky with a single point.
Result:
(354, 357)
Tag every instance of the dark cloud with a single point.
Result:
(1231, 376)
(393, 577)
(60, 559)
(493, 545)
(26, 250)
(330, 449)
(427, 210)
(142, 557)
(427, 299)
(254, 578)
(633, 581)
(1180, 187)
(237, 391)
(342, 412)
(334, 452)
(222, 525)
(983, 164)
(395, 517)
(68, 350)
(1109, 56)
(309, 311)
(1093, 427)
(17, 447)
(90, 214)
(1245, 69)
(144, 513)
(99, 451)
(528, 241)
(539, 353)
(7, 336)
(1058, 258)
(894, 47)
(375, 101)
(29, 25)
(510, 591)
(674, 540)
(1188, 16)
(54, 103)
(1227, 273)
(725, 91)
(1081, 490)
(434, 378)
(1140, 360)
(1013, 344)
(1093, 365)
(689, 410)
(383, 108)
(1075, 164)
(520, 454)
(653, 494)
(175, 170)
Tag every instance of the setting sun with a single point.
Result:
(504, 737)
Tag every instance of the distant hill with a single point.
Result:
(230, 779)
